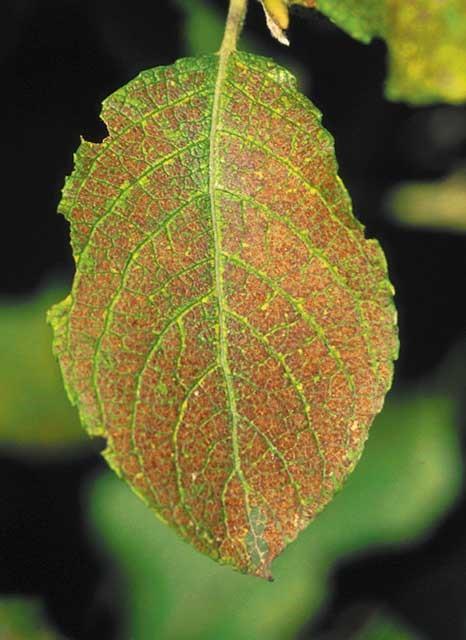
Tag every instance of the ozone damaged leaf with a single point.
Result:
(229, 331)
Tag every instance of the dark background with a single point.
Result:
(59, 59)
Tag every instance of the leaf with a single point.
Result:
(409, 475)
(435, 205)
(230, 331)
(384, 627)
(426, 43)
(204, 26)
(365, 621)
(34, 415)
(24, 619)
(362, 19)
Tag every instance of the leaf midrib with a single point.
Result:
(219, 264)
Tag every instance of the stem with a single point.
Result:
(233, 26)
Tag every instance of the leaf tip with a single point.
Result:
(263, 571)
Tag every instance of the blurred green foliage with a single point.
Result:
(35, 414)
(409, 475)
(203, 26)
(435, 205)
(382, 627)
(367, 622)
(24, 619)
(426, 42)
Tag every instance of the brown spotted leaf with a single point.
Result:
(230, 331)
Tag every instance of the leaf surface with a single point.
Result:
(425, 38)
(230, 331)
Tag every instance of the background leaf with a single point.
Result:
(34, 413)
(409, 475)
(367, 621)
(203, 26)
(426, 43)
(23, 619)
(363, 19)
(434, 205)
(230, 330)
(384, 627)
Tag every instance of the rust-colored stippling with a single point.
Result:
(230, 331)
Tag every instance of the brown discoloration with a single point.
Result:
(237, 445)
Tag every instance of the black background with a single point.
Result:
(59, 59)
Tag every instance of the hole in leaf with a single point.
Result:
(97, 132)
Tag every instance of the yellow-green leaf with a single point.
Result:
(436, 205)
(426, 42)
